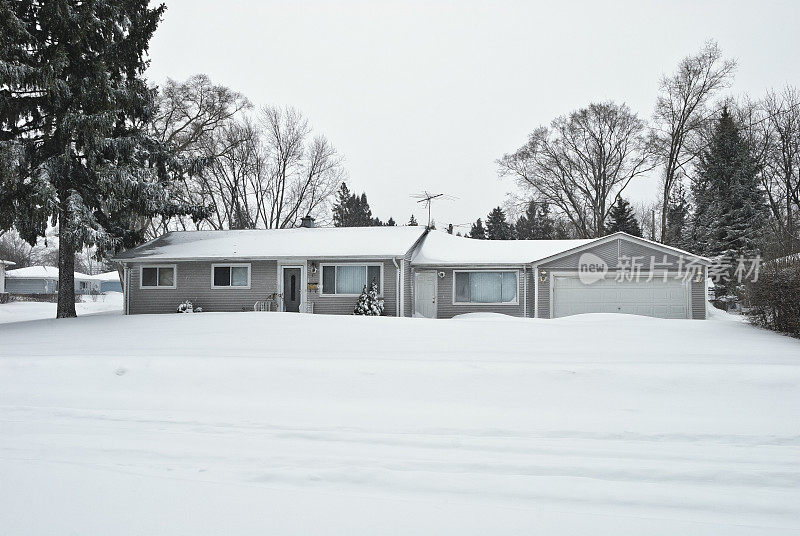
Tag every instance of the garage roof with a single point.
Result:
(443, 249)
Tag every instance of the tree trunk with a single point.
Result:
(66, 266)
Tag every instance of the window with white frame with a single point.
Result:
(157, 277)
(350, 279)
(484, 287)
(230, 276)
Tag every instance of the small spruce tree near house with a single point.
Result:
(369, 304)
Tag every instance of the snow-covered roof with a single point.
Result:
(33, 272)
(317, 242)
(105, 276)
(40, 272)
(443, 249)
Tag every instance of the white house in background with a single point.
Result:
(108, 281)
(3, 265)
(44, 280)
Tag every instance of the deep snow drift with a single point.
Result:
(270, 423)
(22, 311)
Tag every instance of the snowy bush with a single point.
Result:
(188, 307)
(774, 300)
(368, 303)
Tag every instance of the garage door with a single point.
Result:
(662, 299)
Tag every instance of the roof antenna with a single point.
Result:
(428, 198)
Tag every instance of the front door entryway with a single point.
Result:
(291, 288)
(425, 294)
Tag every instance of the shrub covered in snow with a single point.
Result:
(188, 307)
(774, 299)
(368, 303)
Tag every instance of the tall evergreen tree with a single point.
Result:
(536, 223)
(477, 230)
(73, 151)
(730, 210)
(677, 217)
(497, 228)
(342, 207)
(622, 218)
(412, 221)
(351, 210)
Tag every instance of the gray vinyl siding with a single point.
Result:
(607, 251)
(445, 308)
(544, 298)
(615, 253)
(699, 298)
(193, 282)
(30, 286)
(338, 305)
(408, 287)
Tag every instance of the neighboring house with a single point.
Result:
(420, 273)
(3, 265)
(44, 280)
(107, 282)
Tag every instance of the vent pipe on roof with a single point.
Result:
(307, 221)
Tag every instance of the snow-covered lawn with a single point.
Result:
(268, 423)
(21, 311)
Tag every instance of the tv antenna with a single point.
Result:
(428, 198)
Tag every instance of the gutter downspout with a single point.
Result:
(525, 291)
(535, 291)
(399, 287)
(127, 289)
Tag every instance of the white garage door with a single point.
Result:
(663, 299)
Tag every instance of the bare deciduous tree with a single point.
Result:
(267, 174)
(189, 111)
(303, 171)
(681, 111)
(582, 162)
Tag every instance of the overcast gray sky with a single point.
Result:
(427, 95)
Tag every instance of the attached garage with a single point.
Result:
(658, 298)
(625, 274)
(618, 273)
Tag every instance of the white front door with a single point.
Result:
(662, 299)
(425, 294)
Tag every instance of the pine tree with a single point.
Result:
(497, 228)
(368, 302)
(341, 207)
(450, 228)
(73, 147)
(412, 221)
(390, 222)
(730, 210)
(536, 223)
(623, 219)
(351, 210)
(677, 217)
(477, 230)
(365, 213)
